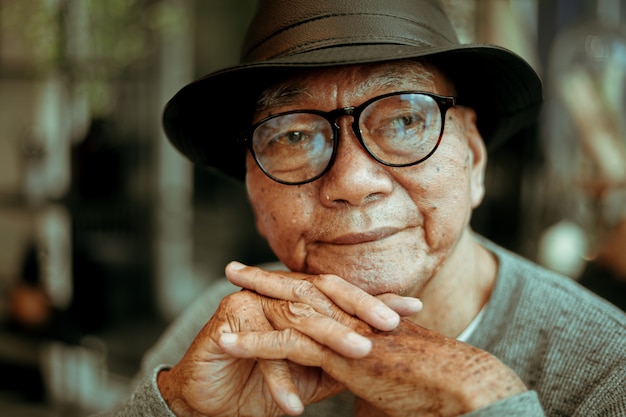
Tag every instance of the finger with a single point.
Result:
(404, 306)
(282, 285)
(299, 324)
(322, 292)
(324, 330)
(277, 376)
(290, 345)
(354, 301)
(264, 314)
(273, 345)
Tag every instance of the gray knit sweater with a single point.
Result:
(567, 345)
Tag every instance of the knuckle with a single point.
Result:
(300, 310)
(281, 340)
(291, 340)
(363, 299)
(241, 310)
(322, 280)
(287, 336)
(237, 299)
(304, 290)
(228, 302)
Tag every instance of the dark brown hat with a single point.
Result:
(204, 119)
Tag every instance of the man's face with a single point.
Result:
(382, 228)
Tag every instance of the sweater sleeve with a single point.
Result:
(146, 400)
(525, 404)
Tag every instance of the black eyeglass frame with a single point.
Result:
(444, 103)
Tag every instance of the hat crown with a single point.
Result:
(282, 28)
(285, 35)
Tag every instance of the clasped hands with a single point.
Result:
(291, 339)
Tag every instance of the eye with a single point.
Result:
(293, 147)
(406, 121)
(292, 137)
(397, 124)
(288, 130)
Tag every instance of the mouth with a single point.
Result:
(364, 237)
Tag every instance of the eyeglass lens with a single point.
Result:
(397, 130)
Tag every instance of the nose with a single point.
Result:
(355, 178)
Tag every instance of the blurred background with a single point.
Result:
(107, 233)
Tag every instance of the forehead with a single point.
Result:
(362, 81)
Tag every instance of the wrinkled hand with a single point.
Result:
(413, 371)
(210, 382)
(410, 371)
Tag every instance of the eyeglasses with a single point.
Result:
(397, 129)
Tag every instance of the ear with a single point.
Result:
(477, 157)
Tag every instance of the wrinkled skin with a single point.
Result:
(398, 382)
(210, 382)
(409, 371)
(384, 229)
(229, 386)
(363, 236)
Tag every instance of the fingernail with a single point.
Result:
(385, 313)
(361, 345)
(414, 303)
(294, 403)
(228, 339)
(236, 266)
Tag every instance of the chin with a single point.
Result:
(389, 278)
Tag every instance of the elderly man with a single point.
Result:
(360, 128)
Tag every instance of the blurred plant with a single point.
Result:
(89, 43)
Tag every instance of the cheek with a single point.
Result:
(444, 198)
(283, 216)
(278, 217)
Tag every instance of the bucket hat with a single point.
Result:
(204, 119)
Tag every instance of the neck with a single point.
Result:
(460, 289)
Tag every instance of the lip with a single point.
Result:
(364, 237)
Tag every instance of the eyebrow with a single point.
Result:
(280, 95)
(397, 75)
(393, 75)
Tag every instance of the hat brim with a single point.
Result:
(204, 119)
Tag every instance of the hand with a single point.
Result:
(411, 371)
(209, 382)
(324, 293)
